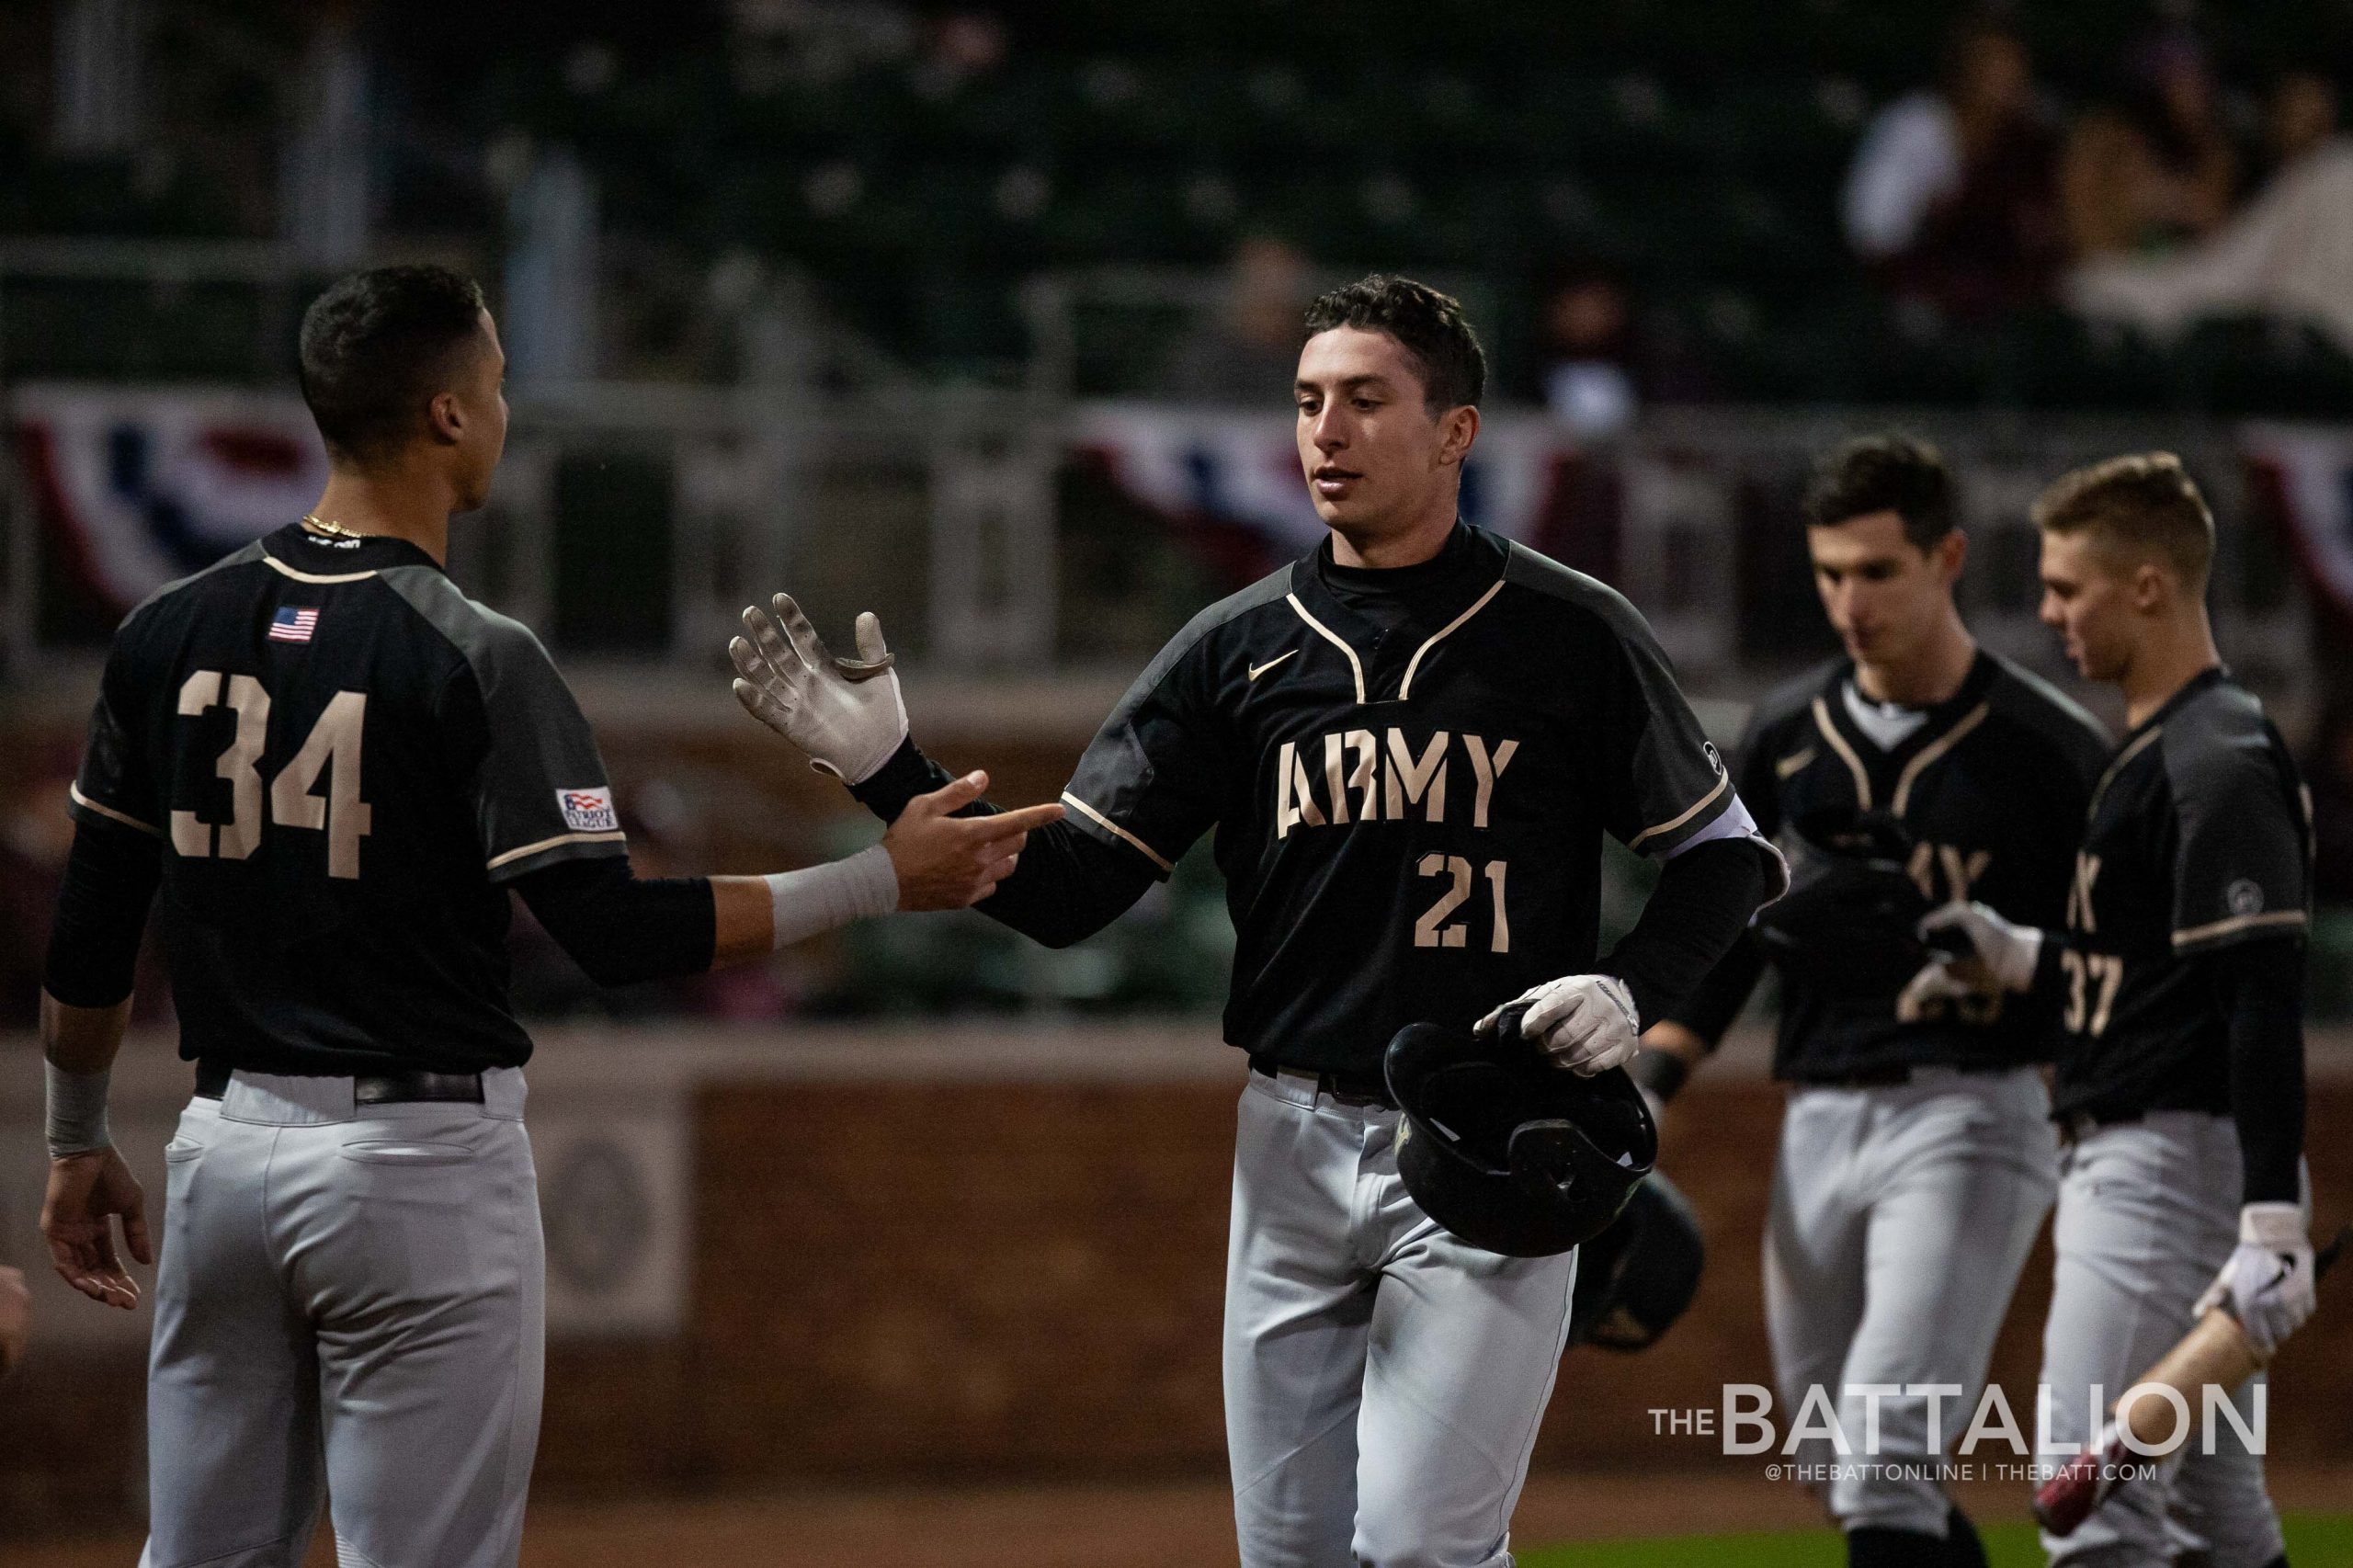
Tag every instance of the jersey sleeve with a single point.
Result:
(1153, 780)
(1665, 784)
(2241, 863)
(115, 787)
(539, 792)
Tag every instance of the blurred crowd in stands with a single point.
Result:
(2168, 197)
(1644, 203)
(2172, 196)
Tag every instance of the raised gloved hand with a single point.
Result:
(2267, 1283)
(1942, 984)
(846, 713)
(2008, 951)
(1585, 1023)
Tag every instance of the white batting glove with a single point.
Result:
(2008, 951)
(2267, 1283)
(1585, 1023)
(846, 713)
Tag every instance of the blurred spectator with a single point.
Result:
(15, 1319)
(1587, 343)
(1248, 351)
(2156, 170)
(960, 47)
(2289, 255)
(1951, 198)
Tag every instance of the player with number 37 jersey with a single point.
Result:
(2181, 973)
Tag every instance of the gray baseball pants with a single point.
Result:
(1900, 1217)
(348, 1306)
(2148, 1214)
(1383, 1380)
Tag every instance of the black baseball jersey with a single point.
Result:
(2200, 837)
(345, 758)
(1992, 787)
(1409, 807)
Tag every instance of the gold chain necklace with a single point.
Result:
(317, 524)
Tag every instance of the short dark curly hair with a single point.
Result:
(1884, 473)
(1428, 324)
(375, 348)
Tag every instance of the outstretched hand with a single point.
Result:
(87, 1193)
(945, 861)
(846, 713)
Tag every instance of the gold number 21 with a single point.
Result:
(1434, 929)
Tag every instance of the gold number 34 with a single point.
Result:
(334, 743)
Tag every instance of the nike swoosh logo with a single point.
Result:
(1257, 670)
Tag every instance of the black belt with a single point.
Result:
(2085, 1121)
(400, 1086)
(1899, 1075)
(1347, 1088)
(2077, 1125)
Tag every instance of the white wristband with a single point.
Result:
(78, 1110)
(2278, 1226)
(820, 898)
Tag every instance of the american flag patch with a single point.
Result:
(292, 625)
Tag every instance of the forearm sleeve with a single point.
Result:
(110, 878)
(1696, 912)
(1069, 885)
(2261, 986)
(620, 928)
(1717, 1000)
(909, 773)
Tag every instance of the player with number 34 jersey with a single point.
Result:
(334, 767)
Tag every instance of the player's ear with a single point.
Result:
(2152, 586)
(1952, 554)
(1457, 428)
(445, 419)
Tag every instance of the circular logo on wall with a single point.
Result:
(599, 1216)
(2245, 896)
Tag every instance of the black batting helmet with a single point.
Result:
(1849, 922)
(1637, 1277)
(1507, 1151)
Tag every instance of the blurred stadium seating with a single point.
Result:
(917, 186)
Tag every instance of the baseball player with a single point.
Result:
(336, 766)
(2179, 971)
(1917, 1158)
(1409, 743)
